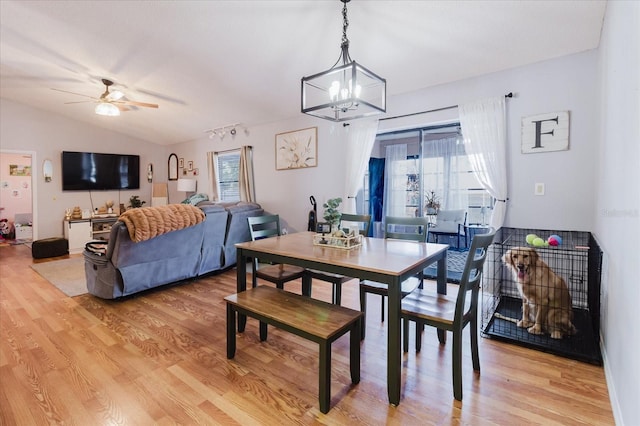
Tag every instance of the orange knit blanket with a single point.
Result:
(144, 223)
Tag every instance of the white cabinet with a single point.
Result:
(78, 232)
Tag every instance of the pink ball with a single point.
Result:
(553, 242)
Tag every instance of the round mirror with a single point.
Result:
(47, 170)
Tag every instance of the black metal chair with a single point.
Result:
(364, 222)
(427, 307)
(400, 228)
(279, 274)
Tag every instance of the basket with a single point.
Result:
(346, 243)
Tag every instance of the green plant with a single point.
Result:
(331, 212)
(135, 201)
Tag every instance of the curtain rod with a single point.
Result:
(230, 150)
(508, 95)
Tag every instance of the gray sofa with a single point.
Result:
(129, 267)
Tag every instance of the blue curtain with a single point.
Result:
(376, 189)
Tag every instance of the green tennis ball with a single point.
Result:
(531, 237)
(538, 242)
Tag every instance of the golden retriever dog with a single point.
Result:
(546, 302)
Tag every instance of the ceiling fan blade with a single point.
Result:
(73, 93)
(77, 102)
(122, 107)
(140, 104)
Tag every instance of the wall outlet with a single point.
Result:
(539, 189)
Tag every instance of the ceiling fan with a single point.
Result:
(109, 103)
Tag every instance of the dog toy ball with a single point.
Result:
(557, 238)
(538, 242)
(530, 238)
(554, 240)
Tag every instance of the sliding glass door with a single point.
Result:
(423, 164)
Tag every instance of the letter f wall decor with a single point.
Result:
(545, 132)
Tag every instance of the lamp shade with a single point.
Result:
(187, 185)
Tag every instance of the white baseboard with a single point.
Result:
(613, 398)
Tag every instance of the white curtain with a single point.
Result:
(442, 160)
(212, 159)
(246, 184)
(484, 128)
(360, 139)
(395, 180)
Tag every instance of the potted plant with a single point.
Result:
(432, 203)
(331, 212)
(135, 201)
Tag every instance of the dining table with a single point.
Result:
(382, 260)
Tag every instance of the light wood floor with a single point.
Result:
(160, 358)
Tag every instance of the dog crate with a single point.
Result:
(578, 260)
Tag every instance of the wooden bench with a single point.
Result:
(312, 319)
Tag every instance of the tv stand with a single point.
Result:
(81, 231)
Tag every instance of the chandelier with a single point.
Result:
(345, 91)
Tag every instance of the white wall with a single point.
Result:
(568, 83)
(285, 192)
(617, 208)
(562, 84)
(27, 129)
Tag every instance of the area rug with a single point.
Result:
(455, 265)
(66, 274)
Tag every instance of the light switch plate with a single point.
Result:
(539, 189)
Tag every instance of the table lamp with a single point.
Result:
(187, 185)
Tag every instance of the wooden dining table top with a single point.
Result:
(384, 256)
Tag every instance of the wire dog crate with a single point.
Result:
(578, 260)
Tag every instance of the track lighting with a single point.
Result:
(221, 132)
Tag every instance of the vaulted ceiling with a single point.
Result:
(212, 63)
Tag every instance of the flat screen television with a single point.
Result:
(82, 171)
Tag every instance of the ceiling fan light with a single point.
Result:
(105, 108)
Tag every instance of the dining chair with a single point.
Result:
(426, 307)
(363, 222)
(265, 227)
(399, 228)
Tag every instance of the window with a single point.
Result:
(228, 165)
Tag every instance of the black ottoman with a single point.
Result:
(49, 247)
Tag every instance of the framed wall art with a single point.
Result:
(545, 132)
(297, 149)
